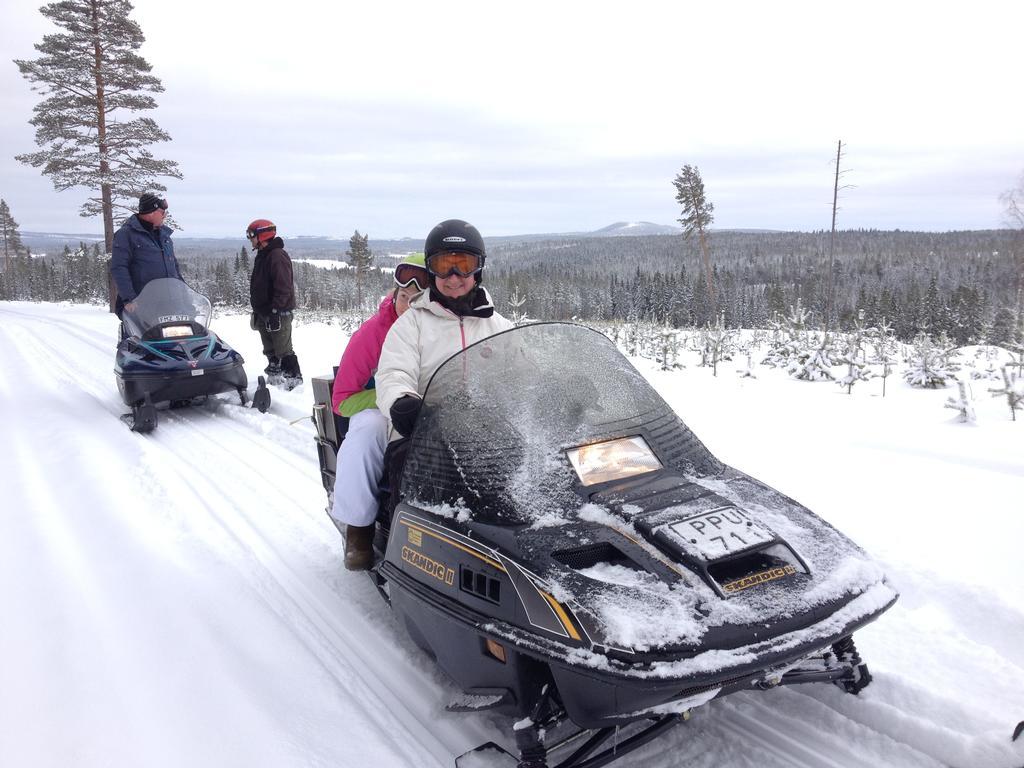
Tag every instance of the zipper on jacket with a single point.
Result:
(462, 330)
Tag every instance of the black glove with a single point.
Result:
(274, 323)
(403, 414)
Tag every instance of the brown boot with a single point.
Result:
(359, 547)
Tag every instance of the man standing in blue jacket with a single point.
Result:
(143, 251)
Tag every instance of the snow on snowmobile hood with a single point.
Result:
(547, 438)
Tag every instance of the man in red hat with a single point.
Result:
(272, 295)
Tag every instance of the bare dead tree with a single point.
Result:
(831, 289)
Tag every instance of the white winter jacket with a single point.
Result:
(423, 338)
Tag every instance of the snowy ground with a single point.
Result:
(177, 599)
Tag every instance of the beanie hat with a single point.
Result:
(150, 201)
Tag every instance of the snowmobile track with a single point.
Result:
(355, 658)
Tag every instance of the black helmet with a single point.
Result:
(459, 236)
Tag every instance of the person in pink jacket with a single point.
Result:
(360, 464)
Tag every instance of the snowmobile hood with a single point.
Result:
(601, 500)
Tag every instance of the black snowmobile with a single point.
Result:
(573, 556)
(168, 354)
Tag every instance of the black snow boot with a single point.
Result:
(291, 371)
(359, 547)
(275, 374)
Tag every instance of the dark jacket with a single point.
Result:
(271, 286)
(141, 254)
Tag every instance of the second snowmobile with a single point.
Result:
(168, 353)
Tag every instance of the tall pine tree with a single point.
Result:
(361, 258)
(697, 217)
(92, 78)
(10, 235)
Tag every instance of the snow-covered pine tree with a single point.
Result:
(515, 303)
(240, 280)
(886, 349)
(632, 340)
(854, 356)
(718, 342)
(748, 347)
(856, 369)
(1002, 330)
(929, 365)
(788, 336)
(962, 402)
(815, 361)
(668, 349)
(1013, 388)
(90, 77)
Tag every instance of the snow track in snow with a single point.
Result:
(363, 660)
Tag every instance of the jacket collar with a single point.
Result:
(482, 304)
(271, 245)
(134, 222)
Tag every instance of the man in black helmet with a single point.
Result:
(142, 251)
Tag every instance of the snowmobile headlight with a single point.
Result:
(177, 331)
(613, 460)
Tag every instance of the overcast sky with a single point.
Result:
(555, 116)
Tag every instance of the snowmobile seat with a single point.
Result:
(330, 428)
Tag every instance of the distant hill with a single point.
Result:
(633, 228)
(332, 247)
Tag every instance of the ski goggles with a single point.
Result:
(447, 263)
(256, 231)
(406, 274)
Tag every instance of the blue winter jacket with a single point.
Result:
(141, 255)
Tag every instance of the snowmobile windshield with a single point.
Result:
(167, 308)
(511, 427)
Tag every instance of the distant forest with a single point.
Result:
(968, 285)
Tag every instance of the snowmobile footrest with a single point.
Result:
(479, 699)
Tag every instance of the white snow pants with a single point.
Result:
(360, 467)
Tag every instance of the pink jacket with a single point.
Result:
(359, 362)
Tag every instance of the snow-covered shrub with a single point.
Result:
(961, 402)
(515, 304)
(856, 370)
(854, 357)
(886, 349)
(789, 337)
(747, 347)
(985, 363)
(668, 354)
(814, 363)
(1013, 387)
(929, 365)
(716, 343)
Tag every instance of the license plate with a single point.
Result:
(198, 371)
(721, 532)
